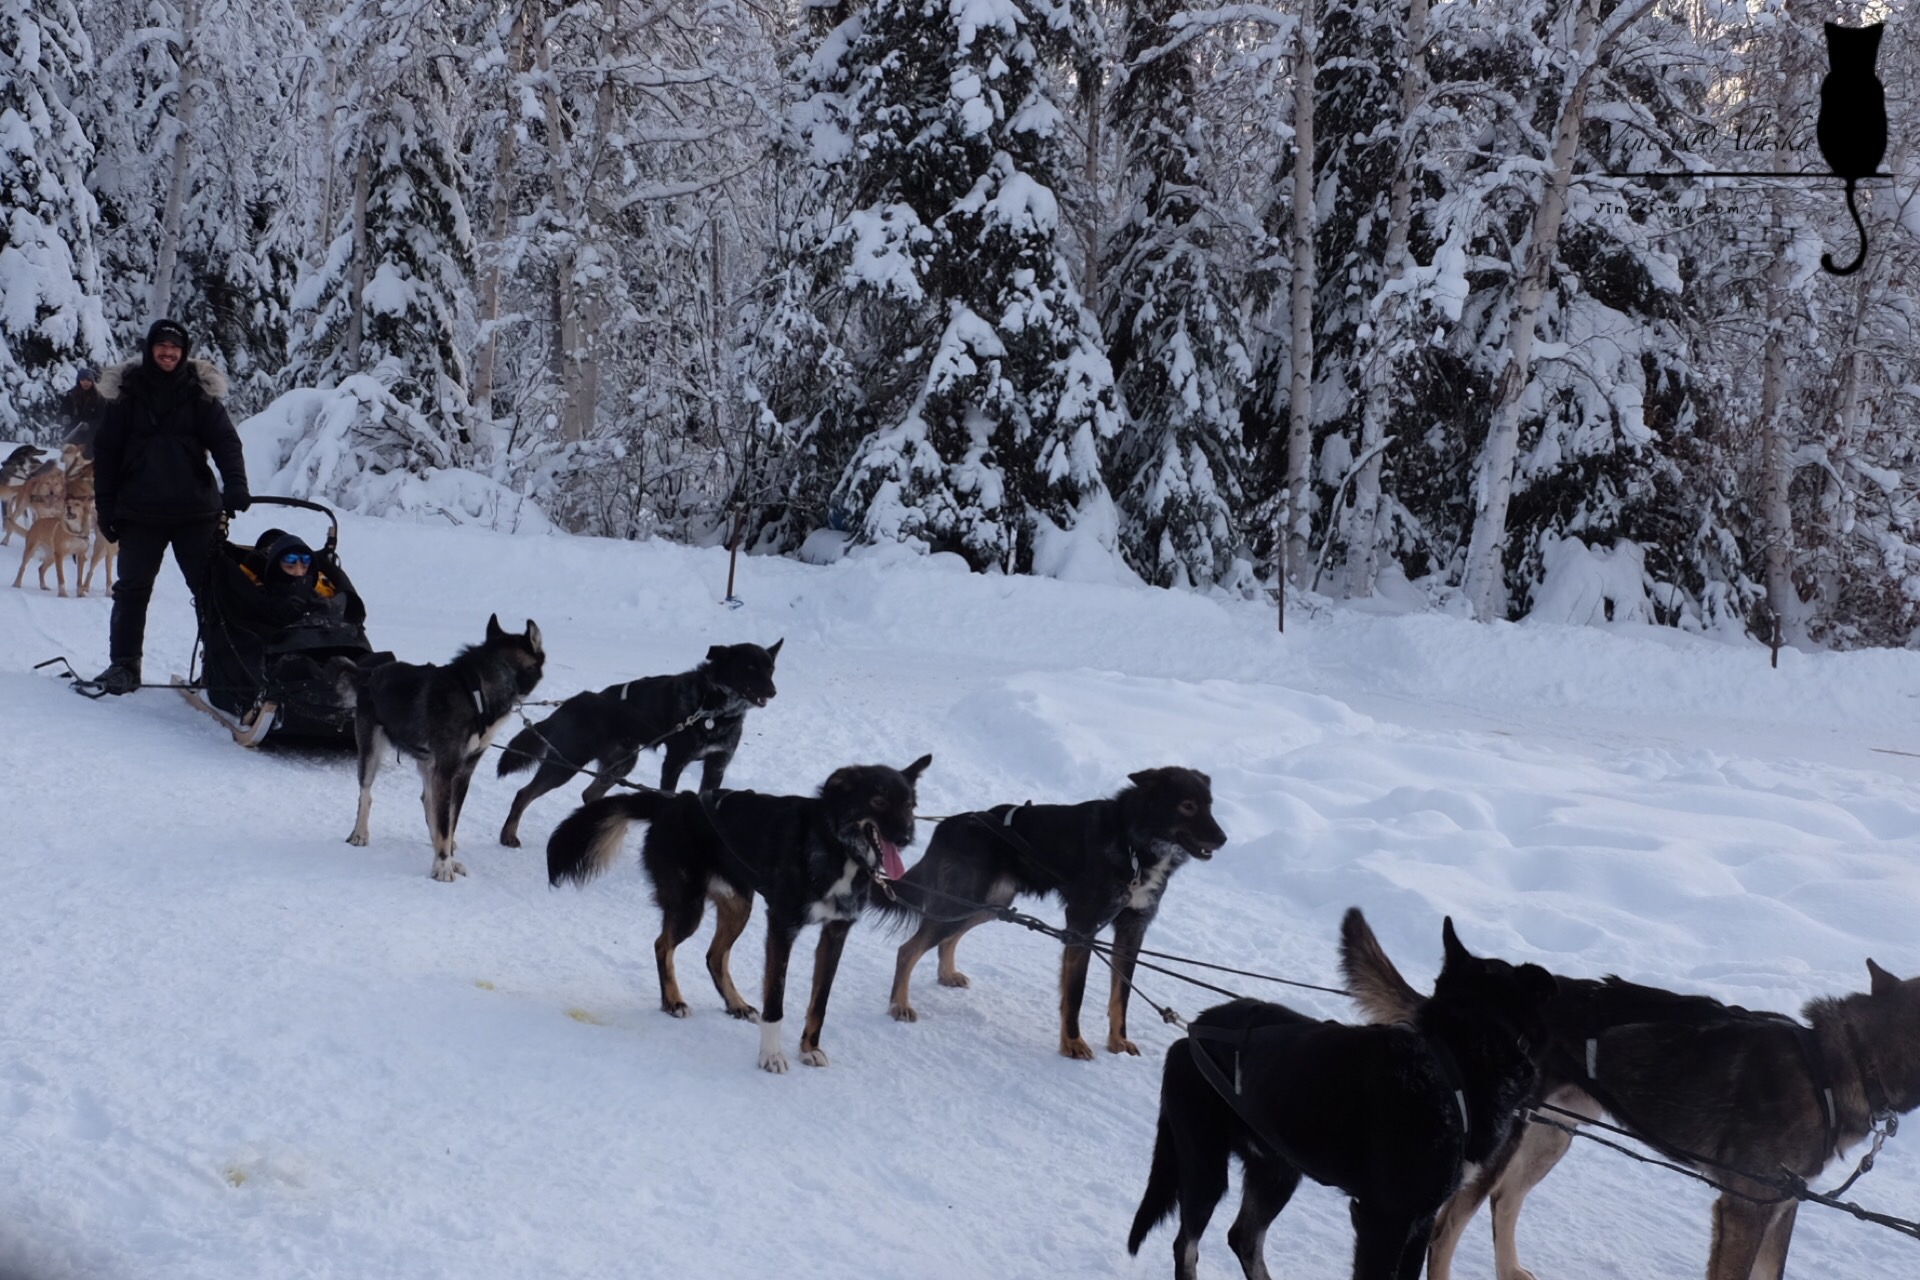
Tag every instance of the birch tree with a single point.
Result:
(1484, 577)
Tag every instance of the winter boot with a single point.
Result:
(121, 677)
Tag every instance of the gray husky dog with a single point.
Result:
(443, 717)
(1721, 1088)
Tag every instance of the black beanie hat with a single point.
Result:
(171, 330)
(283, 544)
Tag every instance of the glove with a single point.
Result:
(234, 502)
(109, 530)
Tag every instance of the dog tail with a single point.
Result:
(526, 750)
(1163, 1176)
(1375, 985)
(588, 840)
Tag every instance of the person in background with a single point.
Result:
(81, 410)
(153, 487)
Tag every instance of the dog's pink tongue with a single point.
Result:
(890, 863)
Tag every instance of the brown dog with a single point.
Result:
(54, 538)
(80, 489)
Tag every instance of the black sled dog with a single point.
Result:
(443, 717)
(696, 715)
(1107, 860)
(1711, 1085)
(813, 858)
(1387, 1114)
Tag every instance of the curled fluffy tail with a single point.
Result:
(1163, 1176)
(525, 751)
(588, 840)
(1375, 985)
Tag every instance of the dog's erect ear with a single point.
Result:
(773, 650)
(1142, 778)
(493, 627)
(918, 767)
(716, 652)
(533, 637)
(1884, 983)
(1451, 942)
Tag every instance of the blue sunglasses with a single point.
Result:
(296, 557)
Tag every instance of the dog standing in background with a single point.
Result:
(20, 464)
(696, 715)
(442, 717)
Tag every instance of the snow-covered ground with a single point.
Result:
(233, 1046)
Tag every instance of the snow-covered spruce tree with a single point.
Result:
(1175, 324)
(393, 296)
(979, 365)
(50, 316)
(798, 378)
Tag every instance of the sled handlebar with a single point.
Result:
(333, 521)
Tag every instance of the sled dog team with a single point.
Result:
(1418, 1115)
(48, 500)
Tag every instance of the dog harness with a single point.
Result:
(1233, 1093)
(1449, 1068)
(698, 711)
(1808, 1041)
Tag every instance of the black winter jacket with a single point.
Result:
(82, 410)
(150, 456)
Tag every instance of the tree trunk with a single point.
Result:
(593, 303)
(162, 300)
(357, 276)
(566, 310)
(1368, 500)
(1486, 552)
(1783, 602)
(1776, 510)
(331, 105)
(1299, 507)
(1090, 85)
(497, 225)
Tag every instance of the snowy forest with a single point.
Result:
(1378, 298)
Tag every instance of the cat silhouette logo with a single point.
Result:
(1853, 120)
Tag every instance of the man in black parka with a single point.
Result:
(153, 487)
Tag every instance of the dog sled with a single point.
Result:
(260, 671)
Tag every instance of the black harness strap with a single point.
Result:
(1003, 831)
(1230, 1088)
(1449, 1070)
(1809, 1041)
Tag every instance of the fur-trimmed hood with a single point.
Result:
(213, 383)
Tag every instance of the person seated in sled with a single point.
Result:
(294, 589)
